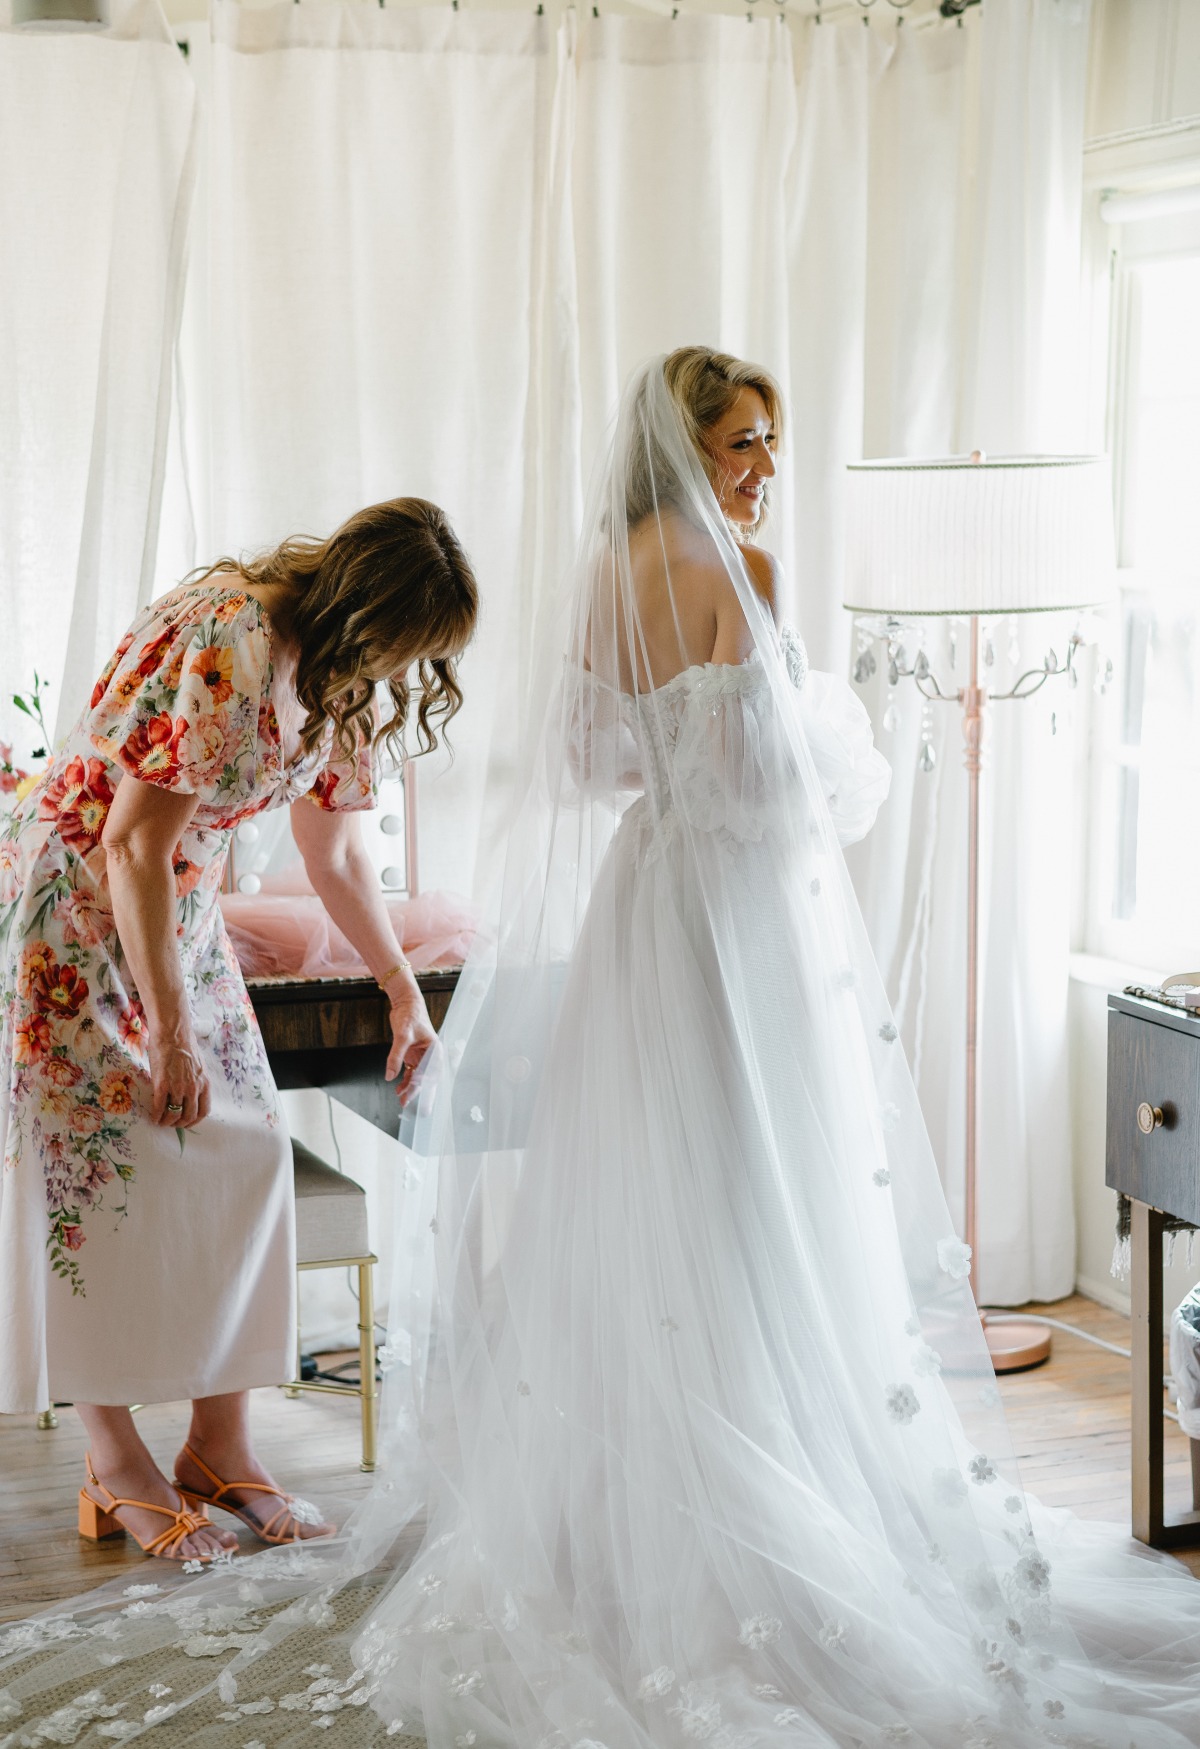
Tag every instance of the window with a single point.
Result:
(1145, 865)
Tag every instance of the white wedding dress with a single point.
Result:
(688, 1403)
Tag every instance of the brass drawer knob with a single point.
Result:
(1149, 1118)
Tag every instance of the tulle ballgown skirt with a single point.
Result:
(711, 1448)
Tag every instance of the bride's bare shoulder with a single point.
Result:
(765, 573)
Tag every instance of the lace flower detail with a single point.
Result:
(767, 1691)
(759, 1631)
(464, 1682)
(1004, 1674)
(789, 1716)
(927, 1362)
(658, 1683)
(954, 1257)
(902, 1404)
(833, 1635)
(881, 1177)
(888, 1033)
(982, 1469)
(698, 1715)
(9, 1708)
(1053, 1709)
(303, 1511)
(1032, 1574)
(1014, 1503)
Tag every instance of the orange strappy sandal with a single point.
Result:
(97, 1521)
(292, 1511)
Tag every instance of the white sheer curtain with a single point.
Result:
(95, 137)
(363, 325)
(971, 342)
(885, 219)
(433, 245)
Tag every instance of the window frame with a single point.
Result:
(1118, 252)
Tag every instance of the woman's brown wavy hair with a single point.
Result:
(390, 589)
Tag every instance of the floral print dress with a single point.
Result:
(140, 1263)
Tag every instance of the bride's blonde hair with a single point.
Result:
(389, 590)
(703, 384)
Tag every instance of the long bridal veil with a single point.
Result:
(690, 1392)
(689, 1429)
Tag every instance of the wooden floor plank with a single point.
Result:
(1069, 1422)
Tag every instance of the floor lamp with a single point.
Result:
(977, 537)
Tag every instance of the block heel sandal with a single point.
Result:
(283, 1524)
(98, 1520)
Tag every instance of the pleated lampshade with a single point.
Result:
(998, 535)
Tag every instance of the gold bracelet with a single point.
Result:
(401, 966)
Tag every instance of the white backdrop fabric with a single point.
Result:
(972, 341)
(430, 246)
(95, 135)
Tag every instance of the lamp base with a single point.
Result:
(1015, 1343)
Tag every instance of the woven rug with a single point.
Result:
(285, 1698)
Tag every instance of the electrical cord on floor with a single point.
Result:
(1084, 1336)
(1057, 1324)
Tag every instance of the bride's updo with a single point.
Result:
(703, 385)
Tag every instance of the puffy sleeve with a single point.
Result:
(601, 749)
(347, 783)
(854, 774)
(734, 768)
(181, 703)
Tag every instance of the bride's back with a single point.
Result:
(678, 606)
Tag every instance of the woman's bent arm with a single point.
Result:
(346, 883)
(140, 837)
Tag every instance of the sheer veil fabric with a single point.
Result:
(687, 1411)
(691, 1389)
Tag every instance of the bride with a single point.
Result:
(706, 1438)
(689, 1419)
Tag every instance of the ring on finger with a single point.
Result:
(172, 1106)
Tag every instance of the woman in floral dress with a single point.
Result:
(146, 1222)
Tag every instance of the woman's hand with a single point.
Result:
(346, 883)
(180, 1096)
(412, 1034)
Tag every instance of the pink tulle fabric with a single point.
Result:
(285, 931)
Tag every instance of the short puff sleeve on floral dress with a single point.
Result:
(139, 1263)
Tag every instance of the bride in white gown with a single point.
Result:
(687, 1395)
(708, 1440)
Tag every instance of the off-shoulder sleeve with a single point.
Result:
(854, 774)
(735, 770)
(601, 750)
(180, 704)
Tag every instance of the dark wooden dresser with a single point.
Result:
(334, 1033)
(1153, 1155)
